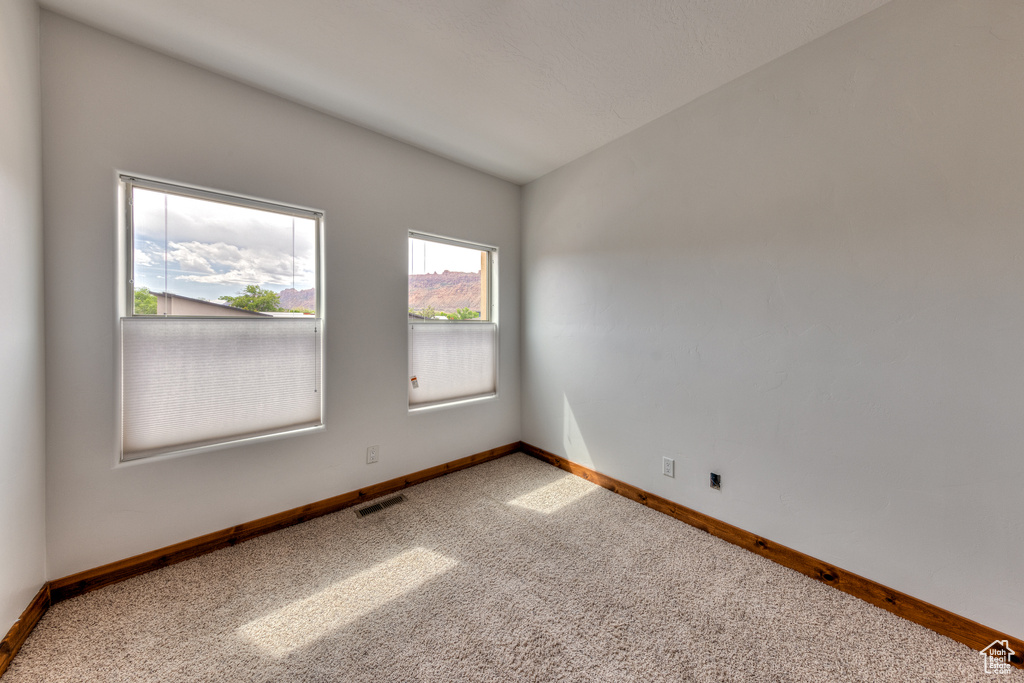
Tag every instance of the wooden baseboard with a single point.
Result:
(15, 638)
(83, 582)
(944, 622)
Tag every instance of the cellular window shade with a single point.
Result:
(190, 382)
(452, 361)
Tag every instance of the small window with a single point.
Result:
(453, 332)
(222, 325)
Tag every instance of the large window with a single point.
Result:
(221, 326)
(453, 330)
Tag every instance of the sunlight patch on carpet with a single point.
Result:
(554, 496)
(305, 621)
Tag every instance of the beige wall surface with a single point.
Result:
(22, 457)
(111, 106)
(809, 281)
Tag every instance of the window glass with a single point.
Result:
(448, 282)
(199, 257)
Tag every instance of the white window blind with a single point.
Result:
(190, 382)
(452, 361)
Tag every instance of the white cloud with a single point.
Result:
(187, 219)
(142, 258)
(210, 249)
(189, 257)
(222, 263)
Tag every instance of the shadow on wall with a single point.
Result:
(572, 439)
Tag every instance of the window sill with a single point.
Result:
(245, 440)
(454, 403)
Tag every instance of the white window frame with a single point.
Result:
(126, 304)
(493, 320)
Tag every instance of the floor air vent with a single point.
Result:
(377, 507)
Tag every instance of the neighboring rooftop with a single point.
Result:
(176, 304)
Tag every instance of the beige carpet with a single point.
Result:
(509, 571)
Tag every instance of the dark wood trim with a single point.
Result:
(89, 580)
(16, 637)
(944, 622)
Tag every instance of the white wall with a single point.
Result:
(810, 281)
(22, 463)
(110, 105)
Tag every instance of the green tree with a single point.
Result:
(428, 313)
(255, 298)
(463, 314)
(145, 302)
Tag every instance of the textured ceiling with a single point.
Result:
(515, 88)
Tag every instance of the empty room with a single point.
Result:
(709, 368)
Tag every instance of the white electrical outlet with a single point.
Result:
(372, 453)
(668, 467)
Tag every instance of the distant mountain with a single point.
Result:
(294, 298)
(447, 291)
